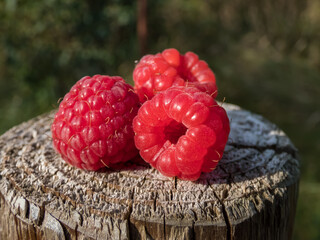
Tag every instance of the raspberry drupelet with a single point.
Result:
(181, 132)
(93, 126)
(155, 73)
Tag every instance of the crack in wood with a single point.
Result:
(164, 226)
(225, 215)
(228, 224)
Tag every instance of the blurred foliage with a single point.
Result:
(46, 46)
(266, 56)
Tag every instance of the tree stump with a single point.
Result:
(252, 194)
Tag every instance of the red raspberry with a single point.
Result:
(93, 126)
(182, 132)
(155, 73)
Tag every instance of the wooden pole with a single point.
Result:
(252, 194)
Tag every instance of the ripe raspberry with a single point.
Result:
(182, 132)
(155, 73)
(93, 126)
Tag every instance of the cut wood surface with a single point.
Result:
(252, 194)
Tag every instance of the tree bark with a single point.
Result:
(142, 26)
(252, 194)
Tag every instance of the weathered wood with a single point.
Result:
(251, 195)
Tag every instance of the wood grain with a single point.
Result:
(252, 194)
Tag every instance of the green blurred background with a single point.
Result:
(266, 56)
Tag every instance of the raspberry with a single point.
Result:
(155, 73)
(182, 132)
(93, 126)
